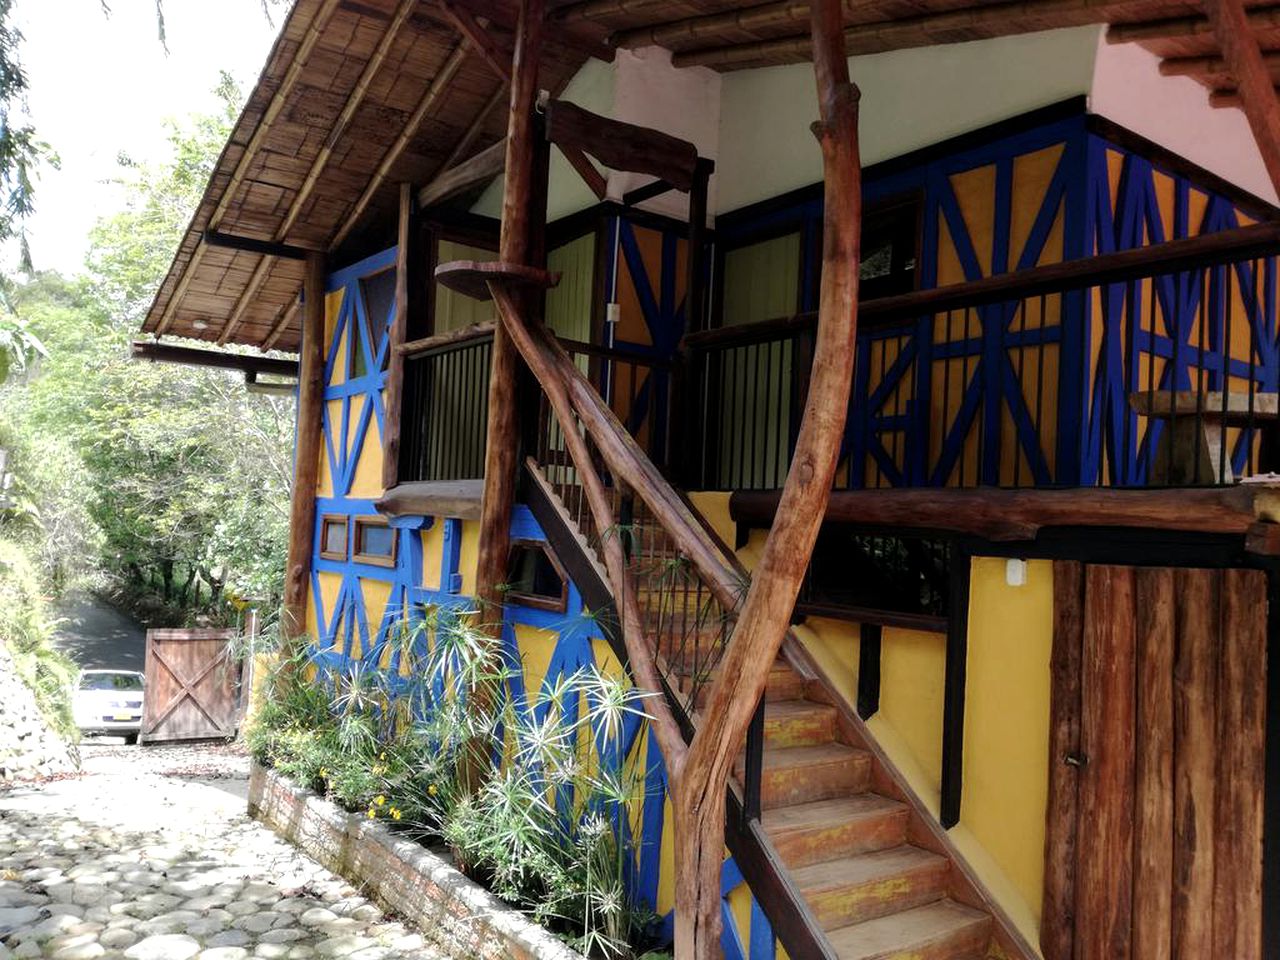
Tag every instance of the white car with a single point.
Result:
(110, 702)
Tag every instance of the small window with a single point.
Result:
(890, 234)
(375, 541)
(379, 295)
(535, 577)
(333, 538)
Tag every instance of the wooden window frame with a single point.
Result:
(325, 521)
(376, 559)
(534, 600)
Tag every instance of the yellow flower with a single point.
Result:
(431, 790)
(395, 813)
(380, 800)
(324, 773)
(372, 813)
(382, 755)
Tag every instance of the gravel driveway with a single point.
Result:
(148, 855)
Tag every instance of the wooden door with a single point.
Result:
(193, 686)
(1157, 749)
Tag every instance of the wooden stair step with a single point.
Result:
(794, 775)
(869, 885)
(783, 684)
(944, 930)
(826, 829)
(795, 723)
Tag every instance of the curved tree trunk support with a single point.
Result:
(698, 786)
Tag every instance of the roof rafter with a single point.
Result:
(1259, 18)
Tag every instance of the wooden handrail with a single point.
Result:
(443, 341)
(1242, 243)
(627, 354)
(1226, 246)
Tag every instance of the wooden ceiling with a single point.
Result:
(358, 96)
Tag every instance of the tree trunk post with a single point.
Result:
(306, 457)
(698, 786)
(514, 244)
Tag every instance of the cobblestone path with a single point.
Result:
(149, 855)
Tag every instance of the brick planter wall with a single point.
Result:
(461, 917)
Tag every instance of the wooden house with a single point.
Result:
(1004, 683)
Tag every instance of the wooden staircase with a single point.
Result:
(873, 867)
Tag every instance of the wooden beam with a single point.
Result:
(307, 451)
(284, 251)
(498, 59)
(689, 30)
(269, 116)
(1228, 98)
(654, 188)
(622, 146)
(287, 315)
(469, 136)
(1012, 515)
(1204, 66)
(411, 294)
(580, 38)
(454, 181)
(523, 210)
(191, 356)
(587, 10)
(1243, 55)
(1169, 28)
(585, 169)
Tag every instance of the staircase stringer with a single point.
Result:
(924, 830)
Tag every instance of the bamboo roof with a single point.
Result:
(358, 96)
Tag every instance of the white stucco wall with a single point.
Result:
(910, 99)
(1175, 113)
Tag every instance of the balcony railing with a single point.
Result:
(1156, 366)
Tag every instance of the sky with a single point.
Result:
(102, 84)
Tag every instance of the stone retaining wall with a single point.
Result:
(462, 918)
(28, 747)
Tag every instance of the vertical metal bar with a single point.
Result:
(964, 386)
(1044, 305)
(946, 396)
(754, 764)
(1035, 426)
(953, 694)
(869, 669)
(1224, 376)
(1200, 378)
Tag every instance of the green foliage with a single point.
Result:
(26, 629)
(542, 830)
(170, 482)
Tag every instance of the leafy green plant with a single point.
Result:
(545, 829)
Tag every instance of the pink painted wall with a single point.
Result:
(1175, 113)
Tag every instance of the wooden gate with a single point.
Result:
(1157, 764)
(193, 686)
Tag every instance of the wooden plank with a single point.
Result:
(1153, 775)
(192, 356)
(585, 169)
(453, 338)
(622, 146)
(1104, 883)
(1195, 734)
(216, 238)
(433, 498)
(307, 452)
(410, 305)
(498, 59)
(480, 169)
(1241, 771)
(1058, 911)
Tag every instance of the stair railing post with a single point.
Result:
(754, 768)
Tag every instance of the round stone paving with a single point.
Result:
(149, 855)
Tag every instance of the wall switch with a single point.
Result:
(1015, 573)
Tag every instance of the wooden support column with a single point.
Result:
(306, 456)
(411, 297)
(518, 199)
(1257, 91)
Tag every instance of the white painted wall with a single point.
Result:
(1175, 113)
(910, 99)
